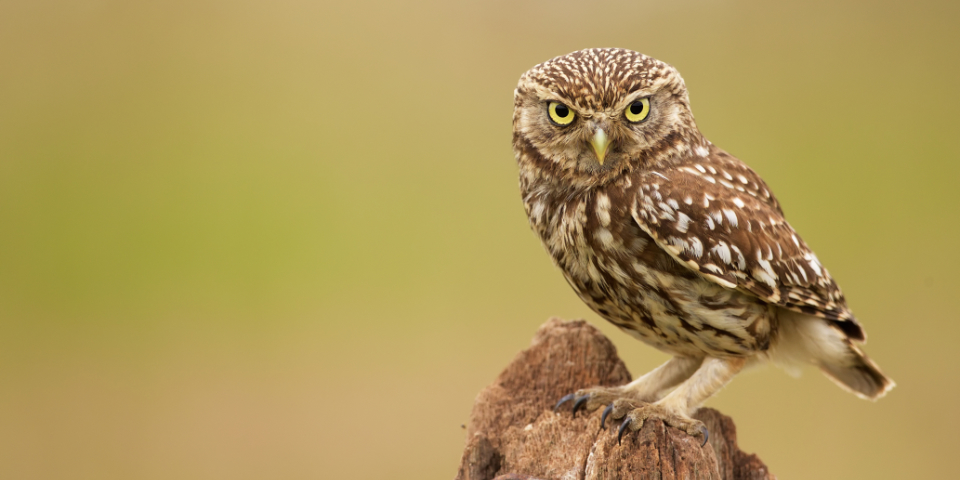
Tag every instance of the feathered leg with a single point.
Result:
(646, 388)
(677, 406)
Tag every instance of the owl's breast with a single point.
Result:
(585, 232)
(623, 275)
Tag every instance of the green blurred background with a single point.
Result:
(252, 240)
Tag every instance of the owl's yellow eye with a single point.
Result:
(638, 110)
(560, 113)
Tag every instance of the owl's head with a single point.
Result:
(597, 113)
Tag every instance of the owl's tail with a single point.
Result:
(807, 339)
(858, 375)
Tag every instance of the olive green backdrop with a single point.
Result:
(259, 240)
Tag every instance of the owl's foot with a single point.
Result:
(590, 399)
(634, 419)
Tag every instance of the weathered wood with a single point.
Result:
(515, 435)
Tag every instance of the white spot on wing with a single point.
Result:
(731, 216)
(741, 261)
(814, 263)
(678, 242)
(739, 203)
(722, 251)
(716, 217)
(696, 247)
(683, 222)
(666, 213)
(765, 274)
(675, 245)
(713, 268)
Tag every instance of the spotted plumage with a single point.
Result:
(669, 237)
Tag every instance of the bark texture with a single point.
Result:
(514, 435)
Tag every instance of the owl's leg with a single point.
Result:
(644, 389)
(675, 408)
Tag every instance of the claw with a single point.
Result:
(603, 418)
(623, 426)
(706, 435)
(565, 399)
(579, 403)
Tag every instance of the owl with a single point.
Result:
(671, 239)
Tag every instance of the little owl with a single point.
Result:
(671, 239)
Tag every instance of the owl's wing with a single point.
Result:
(716, 216)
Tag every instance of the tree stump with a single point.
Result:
(515, 435)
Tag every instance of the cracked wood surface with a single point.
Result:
(514, 434)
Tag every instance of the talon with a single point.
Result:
(706, 435)
(565, 399)
(579, 403)
(603, 418)
(623, 426)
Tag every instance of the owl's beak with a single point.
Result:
(600, 144)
